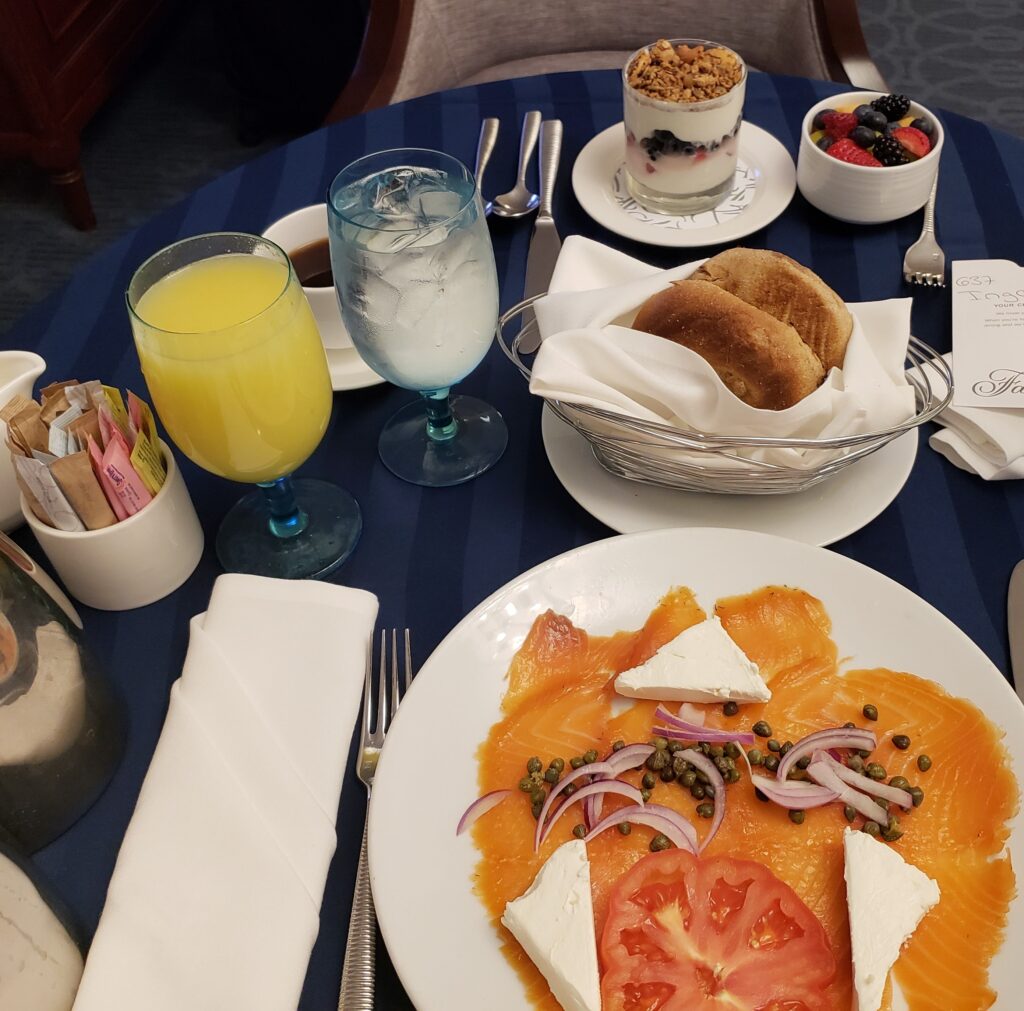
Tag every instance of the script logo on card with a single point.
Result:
(1000, 381)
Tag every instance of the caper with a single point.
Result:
(754, 756)
(705, 810)
(870, 712)
(722, 764)
(732, 776)
(648, 781)
(660, 842)
(732, 750)
(771, 763)
(702, 777)
(761, 796)
(774, 745)
(916, 795)
(709, 790)
(661, 743)
(800, 775)
(874, 770)
(802, 763)
(579, 831)
(688, 778)
(570, 789)
(717, 751)
(786, 748)
(900, 782)
(704, 748)
(730, 709)
(534, 765)
(762, 728)
(797, 817)
(679, 765)
(697, 791)
(871, 827)
(526, 784)
(924, 763)
(538, 796)
(558, 764)
(645, 795)
(674, 746)
(535, 807)
(849, 812)
(657, 761)
(856, 763)
(577, 762)
(863, 753)
(551, 776)
(589, 756)
(618, 745)
(901, 741)
(892, 831)
(668, 774)
(849, 725)
(624, 828)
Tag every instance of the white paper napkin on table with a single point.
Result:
(987, 441)
(591, 356)
(214, 902)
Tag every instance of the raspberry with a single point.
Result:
(916, 143)
(839, 124)
(846, 150)
(889, 151)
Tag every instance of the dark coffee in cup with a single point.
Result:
(312, 264)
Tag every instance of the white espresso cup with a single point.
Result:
(302, 228)
(134, 562)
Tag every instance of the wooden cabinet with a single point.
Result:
(59, 61)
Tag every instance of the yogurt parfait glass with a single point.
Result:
(681, 147)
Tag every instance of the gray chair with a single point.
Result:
(414, 47)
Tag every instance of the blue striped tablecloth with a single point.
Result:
(431, 555)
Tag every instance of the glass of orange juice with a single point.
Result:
(238, 376)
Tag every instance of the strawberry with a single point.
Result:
(839, 124)
(916, 144)
(846, 150)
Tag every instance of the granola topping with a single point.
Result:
(684, 73)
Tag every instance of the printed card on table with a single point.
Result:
(988, 333)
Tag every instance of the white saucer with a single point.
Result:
(349, 371)
(765, 184)
(822, 514)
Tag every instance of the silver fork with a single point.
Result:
(358, 973)
(925, 262)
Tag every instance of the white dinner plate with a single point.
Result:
(822, 514)
(764, 185)
(349, 371)
(438, 933)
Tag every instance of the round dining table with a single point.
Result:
(431, 555)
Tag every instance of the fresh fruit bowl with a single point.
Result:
(868, 179)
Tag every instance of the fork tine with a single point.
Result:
(408, 662)
(368, 690)
(395, 696)
(382, 685)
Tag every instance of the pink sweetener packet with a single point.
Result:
(96, 459)
(127, 485)
(110, 429)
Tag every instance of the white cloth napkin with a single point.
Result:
(987, 441)
(214, 902)
(591, 356)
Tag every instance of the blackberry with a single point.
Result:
(894, 106)
(889, 151)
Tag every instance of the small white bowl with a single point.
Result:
(861, 194)
(134, 562)
(292, 232)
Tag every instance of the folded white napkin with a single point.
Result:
(987, 441)
(591, 356)
(214, 902)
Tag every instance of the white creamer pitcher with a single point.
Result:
(18, 371)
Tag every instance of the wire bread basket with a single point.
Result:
(668, 457)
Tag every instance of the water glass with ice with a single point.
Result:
(415, 276)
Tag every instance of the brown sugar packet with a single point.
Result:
(53, 407)
(88, 424)
(54, 388)
(74, 475)
(30, 428)
(14, 406)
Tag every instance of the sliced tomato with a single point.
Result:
(688, 934)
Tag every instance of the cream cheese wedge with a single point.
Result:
(701, 664)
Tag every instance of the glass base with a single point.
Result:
(245, 543)
(675, 203)
(479, 439)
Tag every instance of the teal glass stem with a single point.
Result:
(284, 517)
(441, 423)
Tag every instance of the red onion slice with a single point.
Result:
(480, 806)
(863, 783)
(680, 730)
(601, 786)
(666, 821)
(794, 795)
(822, 773)
(822, 740)
(630, 757)
(691, 714)
(702, 762)
(594, 768)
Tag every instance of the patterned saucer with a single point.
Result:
(764, 185)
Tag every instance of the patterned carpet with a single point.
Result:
(173, 126)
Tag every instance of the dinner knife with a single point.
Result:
(545, 244)
(1015, 625)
